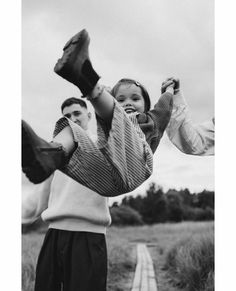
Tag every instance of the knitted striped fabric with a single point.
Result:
(119, 162)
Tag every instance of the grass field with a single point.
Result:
(121, 243)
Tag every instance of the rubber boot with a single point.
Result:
(75, 65)
(39, 157)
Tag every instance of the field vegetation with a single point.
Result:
(158, 206)
(190, 263)
(188, 245)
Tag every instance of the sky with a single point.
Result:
(148, 40)
(145, 40)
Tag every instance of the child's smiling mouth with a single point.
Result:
(129, 110)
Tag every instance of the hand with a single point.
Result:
(170, 82)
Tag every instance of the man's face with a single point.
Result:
(77, 114)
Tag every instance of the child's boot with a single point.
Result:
(40, 158)
(75, 65)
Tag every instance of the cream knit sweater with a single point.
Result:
(66, 204)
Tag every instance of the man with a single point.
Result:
(192, 139)
(73, 255)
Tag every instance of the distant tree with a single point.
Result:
(175, 206)
(206, 199)
(154, 206)
(186, 196)
(134, 202)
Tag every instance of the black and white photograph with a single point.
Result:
(118, 145)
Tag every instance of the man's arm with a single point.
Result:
(192, 139)
(35, 201)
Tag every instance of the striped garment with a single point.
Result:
(119, 162)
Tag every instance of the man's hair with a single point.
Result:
(72, 100)
(131, 81)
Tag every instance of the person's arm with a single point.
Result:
(154, 122)
(35, 201)
(193, 139)
(103, 102)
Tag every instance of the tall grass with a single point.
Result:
(28, 274)
(121, 244)
(190, 263)
(31, 244)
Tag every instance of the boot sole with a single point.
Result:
(31, 158)
(71, 52)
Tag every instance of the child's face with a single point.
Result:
(130, 98)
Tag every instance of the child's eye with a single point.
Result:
(120, 100)
(136, 98)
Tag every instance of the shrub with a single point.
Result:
(125, 215)
(190, 263)
(198, 214)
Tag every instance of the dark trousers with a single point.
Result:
(72, 261)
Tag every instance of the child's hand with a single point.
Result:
(170, 82)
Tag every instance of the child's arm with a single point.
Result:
(154, 122)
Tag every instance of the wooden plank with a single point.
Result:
(144, 278)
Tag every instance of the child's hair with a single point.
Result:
(72, 100)
(131, 81)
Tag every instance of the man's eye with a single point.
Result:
(67, 115)
(76, 113)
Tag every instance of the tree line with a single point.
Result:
(157, 206)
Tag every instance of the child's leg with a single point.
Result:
(118, 163)
(75, 66)
(125, 147)
(103, 102)
(81, 159)
(91, 165)
(65, 138)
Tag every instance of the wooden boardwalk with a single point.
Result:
(144, 278)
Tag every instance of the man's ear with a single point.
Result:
(89, 115)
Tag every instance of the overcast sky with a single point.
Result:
(145, 40)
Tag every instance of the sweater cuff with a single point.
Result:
(179, 100)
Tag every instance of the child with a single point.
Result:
(122, 159)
